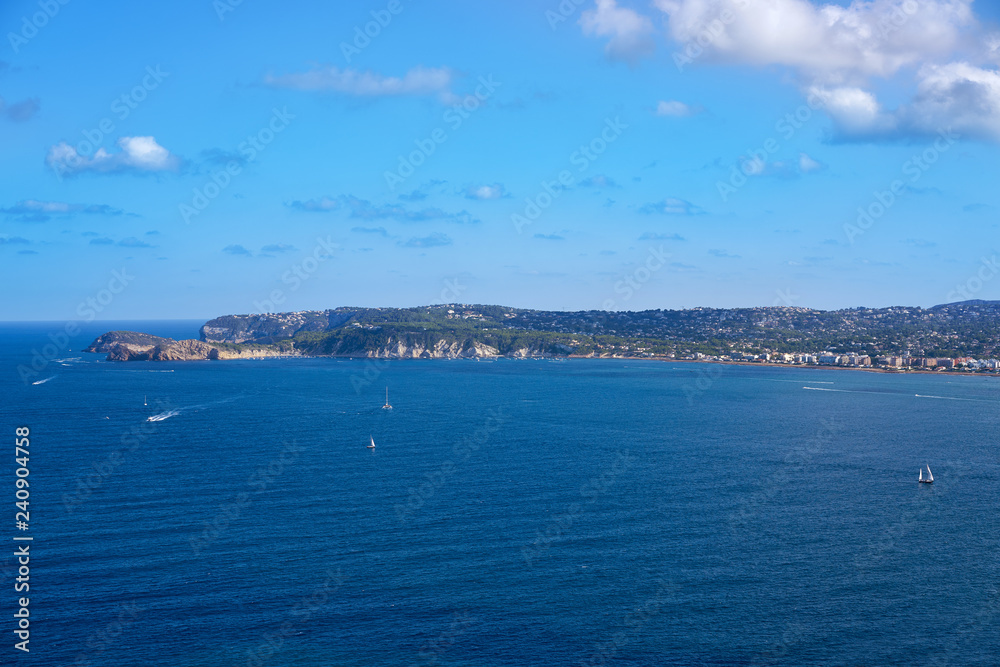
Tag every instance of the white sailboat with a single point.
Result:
(387, 406)
(930, 476)
(144, 403)
(372, 446)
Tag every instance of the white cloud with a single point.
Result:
(807, 164)
(959, 96)
(856, 112)
(675, 108)
(937, 47)
(495, 191)
(417, 81)
(138, 154)
(630, 32)
(827, 43)
(671, 206)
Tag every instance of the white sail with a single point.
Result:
(930, 475)
(372, 446)
(921, 478)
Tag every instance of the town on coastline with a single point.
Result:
(898, 363)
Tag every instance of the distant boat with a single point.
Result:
(144, 403)
(386, 406)
(372, 446)
(930, 476)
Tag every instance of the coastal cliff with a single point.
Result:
(134, 346)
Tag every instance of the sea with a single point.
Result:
(513, 512)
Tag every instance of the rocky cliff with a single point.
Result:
(133, 346)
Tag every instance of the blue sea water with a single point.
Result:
(512, 513)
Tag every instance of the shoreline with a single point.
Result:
(864, 369)
(887, 371)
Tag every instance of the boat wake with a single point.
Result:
(190, 408)
(44, 381)
(950, 398)
(881, 393)
(163, 415)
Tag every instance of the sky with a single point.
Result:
(204, 158)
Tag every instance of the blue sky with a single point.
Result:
(234, 158)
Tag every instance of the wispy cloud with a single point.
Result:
(671, 206)
(371, 230)
(434, 240)
(421, 193)
(722, 253)
(599, 181)
(13, 240)
(20, 111)
(332, 79)
(550, 237)
(363, 209)
(654, 236)
(136, 155)
(238, 250)
(31, 210)
(320, 205)
(807, 164)
(630, 34)
(677, 109)
(483, 192)
(133, 242)
(278, 248)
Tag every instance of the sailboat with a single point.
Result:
(372, 446)
(930, 476)
(387, 406)
(144, 403)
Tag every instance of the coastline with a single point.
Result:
(489, 359)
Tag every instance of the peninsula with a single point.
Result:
(960, 335)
